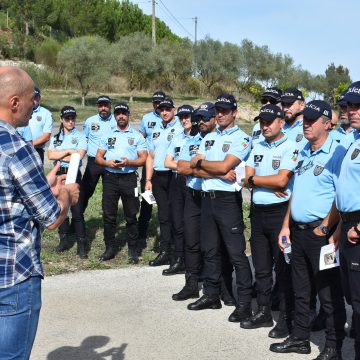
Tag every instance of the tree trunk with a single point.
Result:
(83, 100)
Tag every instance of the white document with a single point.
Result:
(240, 174)
(149, 197)
(73, 169)
(329, 258)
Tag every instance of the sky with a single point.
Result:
(314, 33)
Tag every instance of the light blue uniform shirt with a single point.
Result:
(269, 159)
(149, 123)
(25, 133)
(160, 140)
(74, 140)
(216, 146)
(256, 136)
(123, 143)
(95, 128)
(40, 123)
(188, 151)
(295, 133)
(315, 181)
(176, 145)
(344, 138)
(347, 190)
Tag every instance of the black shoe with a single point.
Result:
(283, 327)
(241, 312)
(132, 255)
(329, 353)
(206, 302)
(65, 243)
(162, 259)
(178, 267)
(109, 254)
(318, 323)
(292, 344)
(262, 318)
(82, 247)
(189, 291)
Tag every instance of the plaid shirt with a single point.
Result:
(27, 205)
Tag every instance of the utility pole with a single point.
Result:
(153, 24)
(196, 21)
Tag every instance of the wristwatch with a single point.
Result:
(251, 181)
(324, 229)
(357, 230)
(198, 163)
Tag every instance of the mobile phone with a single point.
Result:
(118, 161)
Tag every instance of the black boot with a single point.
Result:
(241, 312)
(82, 247)
(329, 353)
(178, 267)
(109, 253)
(206, 302)
(292, 344)
(65, 243)
(189, 291)
(283, 327)
(132, 255)
(162, 258)
(262, 318)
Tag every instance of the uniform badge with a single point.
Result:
(294, 156)
(245, 143)
(169, 137)
(258, 158)
(318, 170)
(209, 144)
(256, 134)
(355, 153)
(299, 137)
(131, 141)
(177, 150)
(39, 118)
(57, 143)
(156, 135)
(226, 147)
(111, 141)
(95, 127)
(275, 164)
(74, 141)
(299, 164)
(193, 149)
(151, 124)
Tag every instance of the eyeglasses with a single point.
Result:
(265, 101)
(205, 118)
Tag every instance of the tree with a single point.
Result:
(46, 53)
(85, 60)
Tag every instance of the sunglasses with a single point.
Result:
(271, 101)
(205, 118)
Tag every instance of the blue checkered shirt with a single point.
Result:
(27, 205)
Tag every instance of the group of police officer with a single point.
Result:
(303, 177)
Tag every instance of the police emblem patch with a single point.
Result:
(74, 141)
(209, 144)
(177, 150)
(318, 170)
(169, 137)
(193, 149)
(355, 153)
(95, 127)
(57, 143)
(131, 141)
(275, 164)
(111, 141)
(39, 118)
(156, 135)
(258, 158)
(151, 124)
(299, 137)
(226, 147)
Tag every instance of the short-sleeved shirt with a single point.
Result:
(74, 140)
(149, 123)
(347, 190)
(120, 144)
(344, 138)
(216, 146)
(95, 128)
(25, 132)
(295, 133)
(160, 141)
(27, 205)
(40, 123)
(315, 181)
(188, 151)
(256, 136)
(176, 145)
(268, 159)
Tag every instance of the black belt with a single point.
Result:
(118, 174)
(178, 176)
(270, 206)
(162, 173)
(194, 193)
(62, 170)
(216, 194)
(353, 216)
(309, 225)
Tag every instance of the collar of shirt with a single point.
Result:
(326, 147)
(170, 124)
(128, 129)
(227, 131)
(8, 127)
(156, 114)
(37, 108)
(274, 143)
(293, 126)
(356, 134)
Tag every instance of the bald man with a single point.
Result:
(27, 205)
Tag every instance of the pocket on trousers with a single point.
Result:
(237, 229)
(9, 300)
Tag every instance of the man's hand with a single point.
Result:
(194, 160)
(230, 176)
(55, 181)
(284, 232)
(148, 185)
(353, 237)
(281, 194)
(74, 193)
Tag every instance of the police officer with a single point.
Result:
(25, 133)
(271, 95)
(66, 142)
(95, 127)
(347, 235)
(121, 153)
(178, 189)
(221, 209)
(268, 170)
(40, 125)
(148, 123)
(293, 102)
(205, 117)
(307, 224)
(159, 177)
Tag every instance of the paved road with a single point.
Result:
(128, 314)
